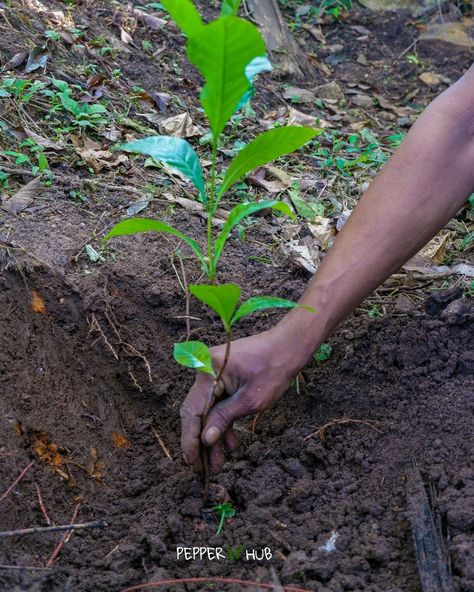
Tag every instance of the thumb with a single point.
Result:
(221, 417)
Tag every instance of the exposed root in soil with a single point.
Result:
(322, 431)
(244, 583)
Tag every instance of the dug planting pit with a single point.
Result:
(327, 514)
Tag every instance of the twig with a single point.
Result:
(64, 540)
(321, 432)
(161, 443)
(44, 529)
(20, 567)
(17, 480)
(41, 504)
(245, 583)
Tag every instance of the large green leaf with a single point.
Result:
(239, 213)
(175, 152)
(230, 7)
(194, 354)
(185, 15)
(222, 299)
(137, 225)
(221, 51)
(264, 149)
(263, 303)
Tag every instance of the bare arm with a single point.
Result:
(422, 186)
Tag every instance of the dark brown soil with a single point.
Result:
(87, 379)
(60, 387)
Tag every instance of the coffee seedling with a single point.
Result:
(229, 52)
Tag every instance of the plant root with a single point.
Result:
(45, 529)
(322, 431)
(64, 540)
(49, 522)
(161, 443)
(17, 480)
(244, 583)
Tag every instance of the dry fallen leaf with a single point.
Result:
(126, 37)
(100, 159)
(323, 230)
(303, 252)
(430, 79)
(196, 207)
(458, 33)
(181, 126)
(37, 303)
(299, 95)
(121, 441)
(45, 142)
(24, 197)
(435, 250)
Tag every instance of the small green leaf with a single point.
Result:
(222, 299)
(263, 303)
(306, 210)
(256, 66)
(175, 152)
(324, 353)
(221, 51)
(239, 213)
(137, 225)
(265, 148)
(194, 354)
(70, 104)
(230, 7)
(185, 15)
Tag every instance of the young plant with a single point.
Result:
(229, 52)
(223, 511)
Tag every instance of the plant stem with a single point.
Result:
(210, 212)
(212, 399)
(221, 523)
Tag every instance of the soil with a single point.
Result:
(89, 391)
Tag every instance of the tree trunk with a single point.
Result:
(285, 51)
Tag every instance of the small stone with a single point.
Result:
(461, 513)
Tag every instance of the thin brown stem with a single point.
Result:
(211, 400)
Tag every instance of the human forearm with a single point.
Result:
(422, 186)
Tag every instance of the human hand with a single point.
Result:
(255, 377)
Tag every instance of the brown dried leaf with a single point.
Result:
(17, 60)
(430, 79)
(24, 197)
(37, 303)
(435, 250)
(299, 95)
(100, 159)
(149, 20)
(126, 37)
(181, 126)
(45, 142)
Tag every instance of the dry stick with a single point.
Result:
(17, 480)
(41, 504)
(19, 567)
(320, 432)
(45, 529)
(245, 583)
(64, 540)
(187, 297)
(161, 443)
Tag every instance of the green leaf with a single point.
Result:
(264, 149)
(306, 210)
(263, 303)
(256, 66)
(222, 299)
(70, 104)
(175, 152)
(221, 51)
(185, 15)
(194, 354)
(239, 213)
(230, 7)
(324, 353)
(137, 225)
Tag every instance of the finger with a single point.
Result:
(216, 457)
(222, 416)
(192, 411)
(230, 440)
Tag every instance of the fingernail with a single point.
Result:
(212, 435)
